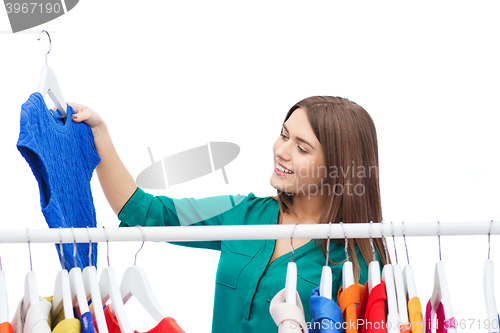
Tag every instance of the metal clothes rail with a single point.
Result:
(238, 232)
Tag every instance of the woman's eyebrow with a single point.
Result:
(300, 139)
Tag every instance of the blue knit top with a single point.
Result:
(62, 156)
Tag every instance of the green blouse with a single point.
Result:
(245, 281)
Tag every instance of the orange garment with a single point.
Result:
(347, 300)
(415, 314)
(5, 327)
(404, 328)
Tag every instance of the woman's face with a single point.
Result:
(298, 150)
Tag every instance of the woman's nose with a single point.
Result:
(283, 152)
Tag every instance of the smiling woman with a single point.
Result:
(318, 133)
(320, 136)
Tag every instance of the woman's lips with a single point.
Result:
(281, 174)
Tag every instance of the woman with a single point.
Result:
(325, 170)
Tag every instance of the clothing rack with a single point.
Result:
(246, 232)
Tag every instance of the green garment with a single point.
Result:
(245, 283)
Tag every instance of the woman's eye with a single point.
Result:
(303, 151)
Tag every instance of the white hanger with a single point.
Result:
(92, 290)
(291, 276)
(373, 267)
(347, 271)
(30, 287)
(108, 287)
(489, 291)
(440, 291)
(48, 83)
(4, 304)
(135, 282)
(408, 276)
(62, 290)
(388, 278)
(325, 286)
(78, 295)
(399, 285)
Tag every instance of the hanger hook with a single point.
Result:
(50, 46)
(74, 246)
(61, 247)
(404, 238)
(143, 239)
(371, 241)
(328, 243)
(384, 242)
(345, 235)
(291, 239)
(489, 232)
(107, 243)
(29, 247)
(90, 246)
(394, 241)
(439, 239)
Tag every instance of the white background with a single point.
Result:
(174, 75)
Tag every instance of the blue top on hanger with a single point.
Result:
(62, 157)
(326, 314)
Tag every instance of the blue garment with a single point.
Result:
(326, 314)
(86, 321)
(62, 157)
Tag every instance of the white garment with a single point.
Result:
(288, 317)
(36, 319)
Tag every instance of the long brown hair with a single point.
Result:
(349, 141)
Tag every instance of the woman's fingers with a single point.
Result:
(85, 114)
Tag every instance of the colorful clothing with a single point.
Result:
(415, 315)
(245, 278)
(86, 320)
(61, 324)
(372, 309)
(34, 320)
(326, 314)
(289, 318)
(442, 323)
(62, 157)
(404, 328)
(5, 327)
(166, 325)
(348, 300)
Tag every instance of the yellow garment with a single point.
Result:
(62, 325)
(415, 312)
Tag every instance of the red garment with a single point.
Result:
(5, 327)
(166, 325)
(372, 310)
(441, 323)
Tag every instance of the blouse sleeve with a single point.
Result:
(147, 210)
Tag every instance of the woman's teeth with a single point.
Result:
(280, 168)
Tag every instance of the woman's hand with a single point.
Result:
(87, 115)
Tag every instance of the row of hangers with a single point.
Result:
(77, 287)
(405, 281)
(400, 283)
